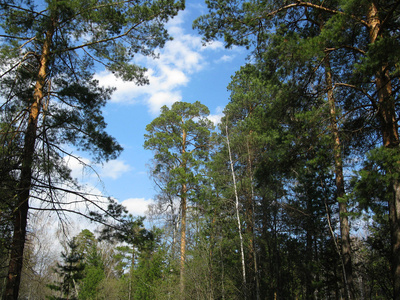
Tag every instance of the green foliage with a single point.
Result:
(149, 274)
(9, 149)
(281, 103)
(90, 287)
(123, 257)
(376, 259)
(80, 35)
(94, 268)
(373, 182)
(71, 272)
(139, 261)
(82, 270)
(48, 53)
(180, 139)
(130, 230)
(281, 130)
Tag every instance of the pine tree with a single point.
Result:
(49, 51)
(180, 139)
(359, 40)
(71, 272)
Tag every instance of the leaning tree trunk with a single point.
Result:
(340, 190)
(24, 187)
(390, 138)
(237, 215)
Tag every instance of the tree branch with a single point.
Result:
(316, 6)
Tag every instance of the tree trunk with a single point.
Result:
(309, 290)
(394, 219)
(132, 272)
(390, 139)
(237, 215)
(340, 190)
(252, 243)
(183, 222)
(183, 244)
(24, 187)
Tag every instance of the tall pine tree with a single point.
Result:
(49, 50)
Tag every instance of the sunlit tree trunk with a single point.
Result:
(24, 187)
(183, 220)
(390, 137)
(183, 241)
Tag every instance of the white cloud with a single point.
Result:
(216, 119)
(159, 99)
(78, 167)
(170, 78)
(177, 20)
(182, 53)
(126, 92)
(114, 169)
(137, 206)
(214, 45)
(225, 58)
(83, 170)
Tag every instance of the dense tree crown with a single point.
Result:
(295, 194)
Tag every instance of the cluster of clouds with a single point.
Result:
(179, 60)
(84, 171)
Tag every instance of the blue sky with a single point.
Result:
(185, 71)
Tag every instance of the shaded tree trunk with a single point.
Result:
(309, 289)
(132, 272)
(340, 188)
(252, 243)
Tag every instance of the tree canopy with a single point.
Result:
(295, 194)
(49, 52)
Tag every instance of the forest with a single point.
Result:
(294, 194)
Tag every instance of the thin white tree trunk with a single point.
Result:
(237, 213)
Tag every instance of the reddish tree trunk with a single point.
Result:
(390, 139)
(21, 213)
(183, 223)
(183, 245)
